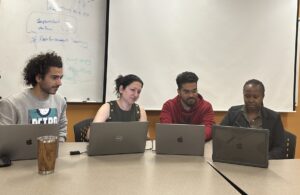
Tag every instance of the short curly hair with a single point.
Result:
(39, 65)
(186, 77)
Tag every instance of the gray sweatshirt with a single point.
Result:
(25, 108)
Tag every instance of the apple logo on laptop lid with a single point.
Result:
(180, 139)
(29, 142)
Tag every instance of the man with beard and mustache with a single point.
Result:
(38, 104)
(253, 114)
(188, 107)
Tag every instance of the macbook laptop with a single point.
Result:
(117, 138)
(183, 139)
(19, 142)
(239, 145)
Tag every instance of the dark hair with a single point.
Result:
(186, 77)
(255, 82)
(40, 64)
(125, 81)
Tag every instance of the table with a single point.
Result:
(145, 173)
(281, 177)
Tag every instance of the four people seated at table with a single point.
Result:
(41, 104)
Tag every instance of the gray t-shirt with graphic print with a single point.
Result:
(25, 108)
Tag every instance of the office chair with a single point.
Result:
(289, 145)
(80, 130)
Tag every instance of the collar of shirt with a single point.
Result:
(255, 123)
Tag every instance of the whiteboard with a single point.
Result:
(74, 29)
(225, 43)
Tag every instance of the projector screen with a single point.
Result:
(225, 43)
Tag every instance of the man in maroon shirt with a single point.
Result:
(188, 107)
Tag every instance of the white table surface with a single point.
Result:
(281, 177)
(145, 173)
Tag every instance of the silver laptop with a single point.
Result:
(183, 139)
(117, 138)
(239, 145)
(19, 142)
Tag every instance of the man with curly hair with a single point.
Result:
(38, 104)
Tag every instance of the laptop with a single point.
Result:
(239, 145)
(180, 139)
(19, 142)
(117, 138)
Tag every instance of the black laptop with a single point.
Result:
(239, 145)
